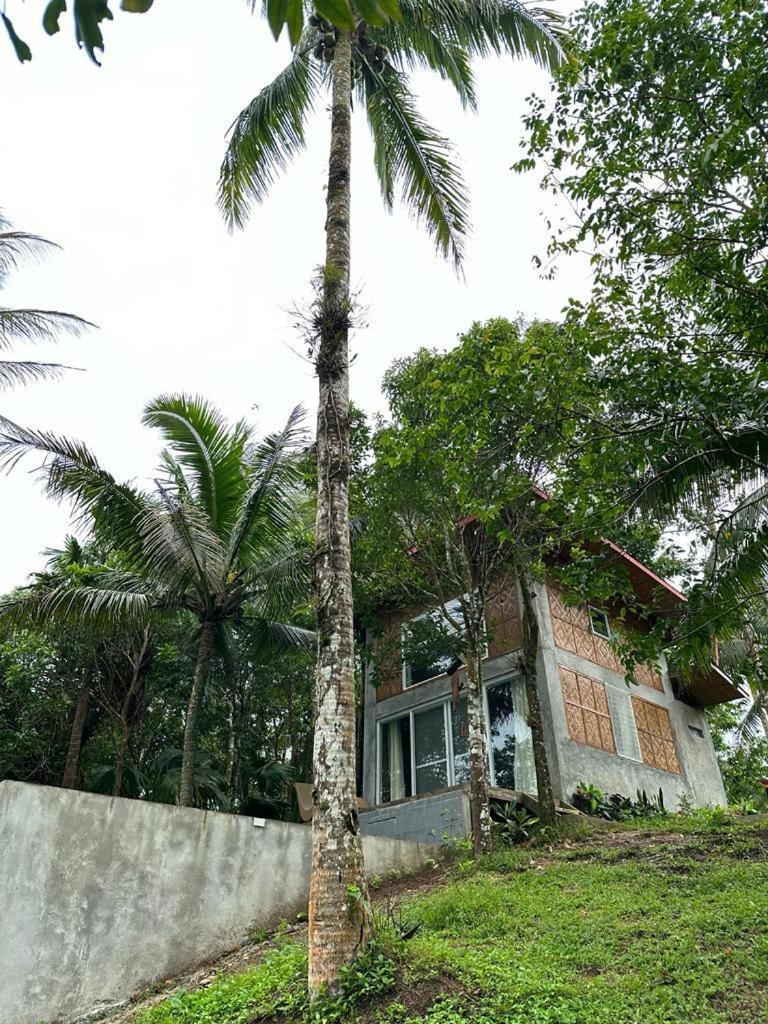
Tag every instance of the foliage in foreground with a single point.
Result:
(599, 931)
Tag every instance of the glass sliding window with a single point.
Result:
(431, 757)
(501, 729)
(396, 759)
(460, 738)
(429, 644)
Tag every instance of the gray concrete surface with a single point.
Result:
(423, 819)
(102, 896)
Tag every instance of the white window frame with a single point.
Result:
(591, 610)
(407, 685)
(411, 713)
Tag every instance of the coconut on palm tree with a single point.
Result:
(28, 325)
(370, 64)
(221, 537)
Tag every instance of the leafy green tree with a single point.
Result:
(656, 141)
(456, 506)
(34, 708)
(369, 62)
(28, 325)
(221, 539)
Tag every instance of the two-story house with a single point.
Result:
(623, 737)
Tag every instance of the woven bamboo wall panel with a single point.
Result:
(389, 667)
(586, 710)
(503, 619)
(572, 632)
(657, 740)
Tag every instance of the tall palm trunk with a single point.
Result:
(339, 911)
(72, 763)
(530, 629)
(202, 671)
(478, 773)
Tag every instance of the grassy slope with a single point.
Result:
(652, 925)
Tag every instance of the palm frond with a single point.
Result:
(18, 246)
(415, 43)
(698, 470)
(410, 152)
(276, 589)
(17, 372)
(268, 506)
(108, 601)
(180, 548)
(751, 726)
(37, 325)
(208, 450)
(267, 135)
(276, 637)
(486, 27)
(71, 471)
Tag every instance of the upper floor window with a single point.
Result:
(598, 622)
(431, 644)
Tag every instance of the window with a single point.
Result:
(598, 622)
(623, 720)
(460, 740)
(697, 731)
(395, 747)
(587, 711)
(654, 730)
(430, 749)
(429, 644)
(427, 749)
(502, 731)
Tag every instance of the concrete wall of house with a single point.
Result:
(102, 896)
(699, 780)
(423, 819)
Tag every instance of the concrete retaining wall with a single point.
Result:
(102, 896)
(423, 819)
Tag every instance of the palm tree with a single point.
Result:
(721, 475)
(221, 537)
(370, 64)
(28, 325)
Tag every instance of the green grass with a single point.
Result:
(603, 930)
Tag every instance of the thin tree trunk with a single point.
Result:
(127, 711)
(231, 754)
(202, 670)
(530, 628)
(478, 768)
(340, 919)
(72, 763)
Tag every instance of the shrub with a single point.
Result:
(616, 807)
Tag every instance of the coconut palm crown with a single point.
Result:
(221, 536)
(440, 35)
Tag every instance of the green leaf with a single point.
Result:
(88, 16)
(295, 21)
(277, 15)
(338, 12)
(379, 12)
(23, 52)
(51, 16)
(136, 6)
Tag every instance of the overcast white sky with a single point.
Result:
(119, 165)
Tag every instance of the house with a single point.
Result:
(623, 737)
